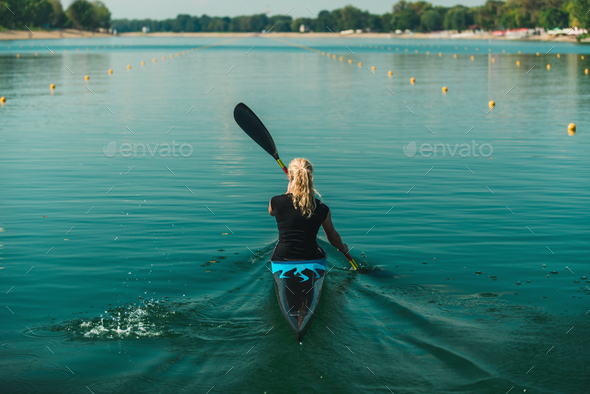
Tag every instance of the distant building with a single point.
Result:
(303, 28)
(145, 29)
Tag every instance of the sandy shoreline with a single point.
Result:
(49, 35)
(72, 33)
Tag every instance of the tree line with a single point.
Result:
(49, 14)
(417, 16)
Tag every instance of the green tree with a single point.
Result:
(431, 20)
(102, 15)
(554, 17)
(489, 14)
(323, 21)
(407, 15)
(26, 13)
(81, 12)
(374, 23)
(458, 18)
(39, 13)
(349, 17)
(386, 21)
(281, 23)
(300, 21)
(513, 18)
(403, 17)
(579, 13)
(58, 16)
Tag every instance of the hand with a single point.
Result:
(345, 249)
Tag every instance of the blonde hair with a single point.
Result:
(301, 177)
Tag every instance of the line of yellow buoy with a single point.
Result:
(491, 104)
(110, 71)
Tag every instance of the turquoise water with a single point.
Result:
(147, 274)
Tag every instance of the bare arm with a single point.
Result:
(332, 234)
(270, 211)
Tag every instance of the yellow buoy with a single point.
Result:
(183, 52)
(586, 71)
(86, 77)
(537, 53)
(406, 49)
(519, 52)
(2, 100)
(17, 55)
(477, 49)
(323, 53)
(582, 57)
(177, 54)
(416, 51)
(558, 55)
(492, 103)
(472, 57)
(412, 80)
(52, 86)
(428, 53)
(171, 56)
(163, 57)
(341, 58)
(390, 73)
(154, 60)
(110, 71)
(36, 55)
(518, 62)
(360, 64)
(142, 63)
(571, 127)
(373, 68)
(444, 89)
(549, 67)
(397, 49)
(503, 50)
(493, 60)
(389, 48)
(328, 54)
(454, 55)
(439, 54)
(349, 61)
(334, 56)
(129, 67)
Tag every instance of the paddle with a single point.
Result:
(254, 127)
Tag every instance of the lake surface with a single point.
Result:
(132, 268)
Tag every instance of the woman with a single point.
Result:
(299, 216)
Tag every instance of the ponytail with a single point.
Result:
(301, 176)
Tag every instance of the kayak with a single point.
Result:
(299, 287)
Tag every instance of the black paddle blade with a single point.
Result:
(252, 126)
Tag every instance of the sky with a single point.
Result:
(164, 9)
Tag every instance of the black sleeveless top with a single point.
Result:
(297, 234)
